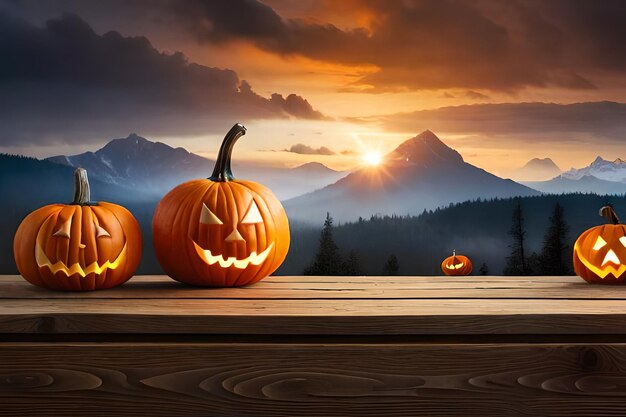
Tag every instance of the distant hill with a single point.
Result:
(585, 184)
(537, 169)
(154, 168)
(421, 173)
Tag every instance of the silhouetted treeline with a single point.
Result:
(478, 229)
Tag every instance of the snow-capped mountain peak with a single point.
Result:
(600, 168)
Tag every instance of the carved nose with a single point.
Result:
(610, 257)
(234, 236)
(82, 246)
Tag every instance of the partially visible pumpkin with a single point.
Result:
(220, 231)
(78, 246)
(456, 265)
(600, 252)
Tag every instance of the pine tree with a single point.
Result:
(516, 262)
(328, 259)
(391, 267)
(556, 258)
(484, 269)
(351, 265)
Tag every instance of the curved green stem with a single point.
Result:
(222, 171)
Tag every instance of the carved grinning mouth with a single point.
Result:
(253, 259)
(455, 266)
(59, 266)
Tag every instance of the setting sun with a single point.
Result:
(372, 158)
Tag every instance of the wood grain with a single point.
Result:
(312, 380)
(320, 306)
(144, 287)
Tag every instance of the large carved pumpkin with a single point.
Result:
(220, 231)
(78, 246)
(600, 252)
(456, 265)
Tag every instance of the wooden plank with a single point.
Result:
(362, 279)
(416, 288)
(356, 317)
(312, 380)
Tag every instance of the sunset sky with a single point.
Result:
(318, 80)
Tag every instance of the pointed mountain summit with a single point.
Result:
(425, 150)
(137, 162)
(421, 173)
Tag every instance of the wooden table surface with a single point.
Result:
(316, 346)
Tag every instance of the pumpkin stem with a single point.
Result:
(608, 213)
(222, 171)
(82, 195)
(453, 252)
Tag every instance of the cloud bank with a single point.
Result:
(436, 44)
(536, 121)
(63, 82)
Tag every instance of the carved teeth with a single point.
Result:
(253, 259)
(59, 266)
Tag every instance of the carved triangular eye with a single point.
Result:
(207, 216)
(622, 240)
(64, 230)
(100, 232)
(600, 243)
(253, 215)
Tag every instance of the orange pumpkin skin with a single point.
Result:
(600, 252)
(456, 265)
(220, 232)
(95, 247)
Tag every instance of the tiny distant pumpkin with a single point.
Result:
(78, 246)
(456, 265)
(600, 252)
(220, 231)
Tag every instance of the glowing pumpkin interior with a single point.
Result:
(223, 236)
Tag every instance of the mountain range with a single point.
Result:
(422, 173)
(154, 168)
(599, 177)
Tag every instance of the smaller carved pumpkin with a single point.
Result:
(78, 246)
(456, 265)
(600, 252)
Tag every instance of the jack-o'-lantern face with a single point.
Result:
(231, 239)
(453, 266)
(68, 244)
(602, 251)
(456, 265)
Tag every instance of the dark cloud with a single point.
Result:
(64, 82)
(536, 121)
(475, 95)
(303, 149)
(296, 106)
(435, 44)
